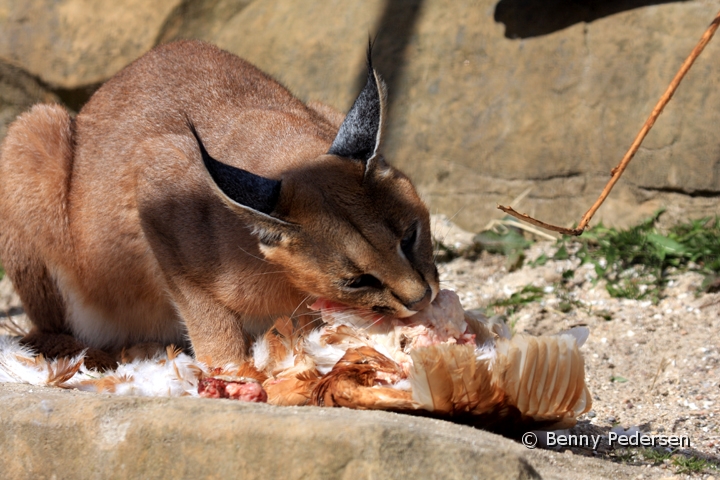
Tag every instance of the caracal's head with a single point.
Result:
(348, 227)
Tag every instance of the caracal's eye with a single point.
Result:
(364, 281)
(407, 244)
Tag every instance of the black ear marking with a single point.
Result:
(240, 186)
(360, 132)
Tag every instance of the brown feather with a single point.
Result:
(357, 381)
(291, 390)
(63, 369)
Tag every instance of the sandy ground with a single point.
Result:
(654, 367)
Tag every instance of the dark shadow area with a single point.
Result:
(12, 312)
(532, 18)
(75, 98)
(23, 89)
(392, 35)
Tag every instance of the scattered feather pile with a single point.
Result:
(442, 362)
(168, 373)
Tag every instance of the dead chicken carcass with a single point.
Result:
(442, 361)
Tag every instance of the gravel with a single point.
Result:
(654, 367)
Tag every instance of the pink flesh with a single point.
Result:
(219, 388)
(325, 304)
(246, 392)
(434, 325)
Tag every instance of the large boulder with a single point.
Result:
(488, 98)
(74, 43)
(199, 19)
(51, 433)
(317, 49)
(477, 117)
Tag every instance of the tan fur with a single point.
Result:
(112, 230)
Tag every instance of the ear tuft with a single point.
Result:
(360, 134)
(268, 236)
(240, 186)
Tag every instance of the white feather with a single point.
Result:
(325, 356)
(580, 334)
(403, 384)
(486, 352)
(287, 362)
(13, 369)
(155, 377)
(261, 353)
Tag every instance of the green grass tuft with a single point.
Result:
(690, 465)
(655, 456)
(517, 300)
(635, 263)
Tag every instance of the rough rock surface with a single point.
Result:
(49, 433)
(317, 49)
(484, 103)
(74, 43)
(18, 92)
(477, 117)
(200, 19)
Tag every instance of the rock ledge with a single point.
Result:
(52, 433)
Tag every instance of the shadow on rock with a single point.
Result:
(532, 18)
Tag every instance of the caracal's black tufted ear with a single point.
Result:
(248, 194)
(359, 135)
(239, 187)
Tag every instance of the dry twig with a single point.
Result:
(11, 326)
(618, 170)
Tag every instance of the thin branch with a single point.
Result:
(618, 170)
(527, 228)
(539, 223)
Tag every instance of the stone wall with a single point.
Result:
(488, 98)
